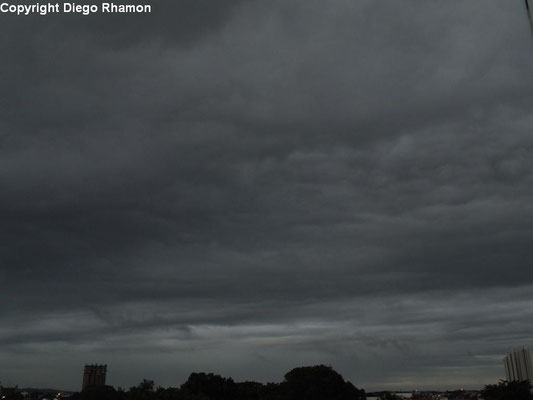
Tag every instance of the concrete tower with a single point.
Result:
(519, 365)
(94, 375)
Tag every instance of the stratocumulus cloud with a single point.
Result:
(245, 187)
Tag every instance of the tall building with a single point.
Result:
(519, 365)
(94, 375)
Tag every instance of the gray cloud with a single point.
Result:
(247, 187)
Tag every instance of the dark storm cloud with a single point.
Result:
(248, 186)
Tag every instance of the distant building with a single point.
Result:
(519, 365)
(94, 375)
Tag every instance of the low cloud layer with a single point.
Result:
(246, 187)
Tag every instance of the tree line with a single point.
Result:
(318, 382)
(304, 383)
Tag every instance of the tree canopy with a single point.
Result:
(318, 383)
(505, 390)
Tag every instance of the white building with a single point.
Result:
(519, 365)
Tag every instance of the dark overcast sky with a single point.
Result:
(243, 187)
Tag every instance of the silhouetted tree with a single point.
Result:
(99, 393)
(143, 391)
(177, 394)
(504, 390)
(211, 386)
(274, 391)
(249, 391)
(318, 383)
